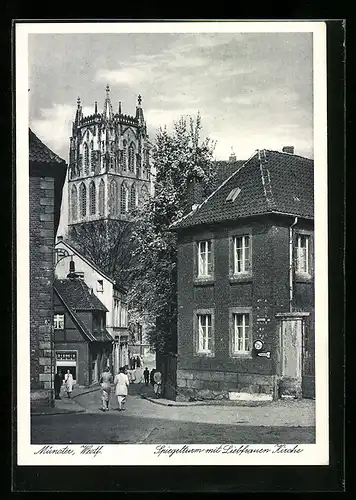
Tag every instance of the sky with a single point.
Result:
(253, 90)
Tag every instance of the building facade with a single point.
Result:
(47, 173)
(107, 291)
(109, 164)
(82, 344)
(246, 284)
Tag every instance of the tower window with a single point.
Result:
(101, 198)
(133, 201)
(92, 157)
(74, 203)
(113, 197)
(124, 199)
(83, 200)
(92, 196)
(131, 158)
(86, 158)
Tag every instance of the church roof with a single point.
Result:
(269, 182)
(40, 153)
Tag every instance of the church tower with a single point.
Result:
(109, 163)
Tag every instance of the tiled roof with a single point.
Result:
(225, 168)
(40, 153)
(270, 182)
(77, 295)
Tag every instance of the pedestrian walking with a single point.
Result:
(146, 375)
(57, 385)
(68, 382)
(122, 383)
(105, 381)
(157, 377)
(151, 377)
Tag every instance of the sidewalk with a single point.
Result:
(148, 393)
(64, 405)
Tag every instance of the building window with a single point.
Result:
(241, 254)
(83, 200)
(133, 201)
(74, 203)
(205, 261)
(102, 198)
(303, 254)
(124, 155)
(144, 193)
(123, 315)
(114, 191)
(92, 157)
(204, 332)
(86, 158)
(240, 332)
(131, 158)
(92, 198)
(124, 199)
(100, 286)
(58, 321)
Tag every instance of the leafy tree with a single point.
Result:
(180, 159)
(109, 245)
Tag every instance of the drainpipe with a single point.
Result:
(291, 264)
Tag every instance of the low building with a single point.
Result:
(82, 343)
(113, 296)
(246, 284)
(47, 173)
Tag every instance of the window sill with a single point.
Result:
(303, 278)
(237, 278)
(205, 354)
(203, 281)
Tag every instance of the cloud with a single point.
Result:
(130, 76)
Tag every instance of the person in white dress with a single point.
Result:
(68, 382)
(122, 383)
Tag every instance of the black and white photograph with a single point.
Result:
(172, 243)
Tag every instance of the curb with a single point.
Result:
(58, 413)
(174, 404)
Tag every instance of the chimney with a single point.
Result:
(72, 274)
(232, 157)
(288, 149)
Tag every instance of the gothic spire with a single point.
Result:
(139, 111)
(79, 112)
(120, 108)
(108, 112)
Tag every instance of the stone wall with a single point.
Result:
(41, 206)
(205, 385)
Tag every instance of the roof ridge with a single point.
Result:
(213, 193)
(289, 154)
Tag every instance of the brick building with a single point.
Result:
(47, 173)
(246, 284)
(82, 343)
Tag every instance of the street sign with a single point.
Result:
(264, 354)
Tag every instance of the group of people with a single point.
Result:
(68, 384)
(121, 383)
(155, 379)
